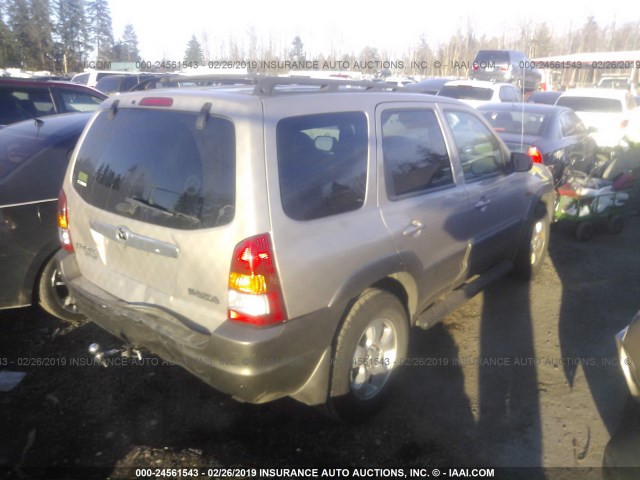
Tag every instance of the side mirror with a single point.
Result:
(521, 162)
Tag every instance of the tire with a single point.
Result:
(534, 246)
(584, 231)
(615, 225)
(53, 295)
(369, 348)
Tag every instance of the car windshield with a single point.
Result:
(517, 122)
(466, 92)
(591, 104)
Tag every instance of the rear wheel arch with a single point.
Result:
(374, 329)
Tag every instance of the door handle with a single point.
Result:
(482, 204)
(414, 228)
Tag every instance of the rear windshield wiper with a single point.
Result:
(130, 205)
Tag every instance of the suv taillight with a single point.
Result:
(255, 295)
(63, 223)
(535, 155)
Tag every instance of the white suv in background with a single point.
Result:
(478, 92)
(612, 113)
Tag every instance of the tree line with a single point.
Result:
(61, 35)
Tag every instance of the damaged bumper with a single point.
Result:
(252, 365)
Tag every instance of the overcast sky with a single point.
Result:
(342, 26)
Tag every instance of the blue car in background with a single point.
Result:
(33, 160)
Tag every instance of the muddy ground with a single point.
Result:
(524, 375)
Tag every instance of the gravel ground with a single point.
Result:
(523, 375)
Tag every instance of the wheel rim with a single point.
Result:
(374, 358)
(61, 292)
(538, 242)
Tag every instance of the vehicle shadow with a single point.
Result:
(509, 404)
(587, 325)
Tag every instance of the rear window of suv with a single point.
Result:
(591, 104)
(491, 56)
(322, 164)
(158, 167)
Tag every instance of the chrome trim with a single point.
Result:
(12, 205)
(122, 234)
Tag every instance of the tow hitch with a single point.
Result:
(128, 351)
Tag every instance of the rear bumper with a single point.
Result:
(251, 364)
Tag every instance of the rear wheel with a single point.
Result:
(53, 294)
(370, 346)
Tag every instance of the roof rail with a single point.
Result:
(265, 85)
(268, 86)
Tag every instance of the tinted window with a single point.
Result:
(322, 164)
(571, 125)
(590, 104)
(515, 121)
(497, 56)
(157, 167)
(21, 103)
(415, 155)
(510, 94)
(110, 84)
(82, 79)
(466, 92)
(79, 101)
(478, 149)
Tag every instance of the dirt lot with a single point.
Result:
(524, 375)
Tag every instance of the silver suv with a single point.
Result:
(282, 238)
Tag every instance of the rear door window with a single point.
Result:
(414, 151)
(159, 167)
(322, 164)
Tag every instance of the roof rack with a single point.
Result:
(265, 85)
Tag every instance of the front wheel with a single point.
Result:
(534, 246)
(369, 349)
(53, 294)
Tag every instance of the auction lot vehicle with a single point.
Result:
(281, 238)
(508, 66)
(554, 136)
(33, 160)
(610, 112)
(22, 99)
(476, 93)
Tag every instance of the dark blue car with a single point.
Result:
(33, 160)
(554, 136)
